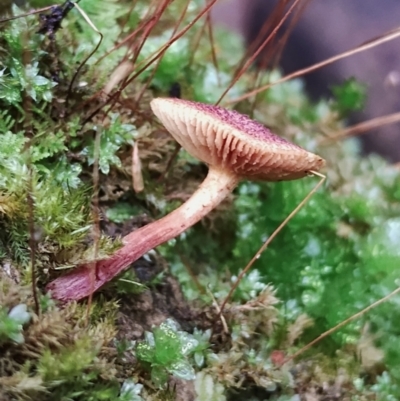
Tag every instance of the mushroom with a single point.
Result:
(233, 146)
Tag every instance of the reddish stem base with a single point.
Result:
(85, 280)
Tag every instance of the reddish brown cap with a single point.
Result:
(229, 140)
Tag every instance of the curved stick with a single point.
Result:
(270, 239)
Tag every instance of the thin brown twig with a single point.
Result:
(361, 128)
(196, 42)
(146, 21)
(148, 29)
(39, 10)
(152, 60)
(273, 51)
(219, 311)
(96, 218)
(250, 61)
(391, 35)
(272, 57)
(192, 275)
(273, 235)
(340, 325)
(213, 52)
(163, 48)
(137, 49)
(32, 239)
(124, 41)
(78, 70)
(181, 17)
(272, 20)
(170, 162)
(277, 51)
(126, 17)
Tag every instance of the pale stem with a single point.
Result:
(80, 283)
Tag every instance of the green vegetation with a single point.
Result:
(143, 340)
(165, 350)
(53, 355)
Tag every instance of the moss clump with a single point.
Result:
(54, 355)
(165, 351)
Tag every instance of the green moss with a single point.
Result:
(55, 354)
(335, 257)
(350, 96)
(166, 351)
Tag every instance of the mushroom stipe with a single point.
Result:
(235, 148)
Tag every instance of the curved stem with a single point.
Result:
(79, 283)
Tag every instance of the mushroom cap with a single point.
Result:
(229, 140)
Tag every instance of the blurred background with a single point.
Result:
(327, 28)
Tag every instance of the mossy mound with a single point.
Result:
(66, 141)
